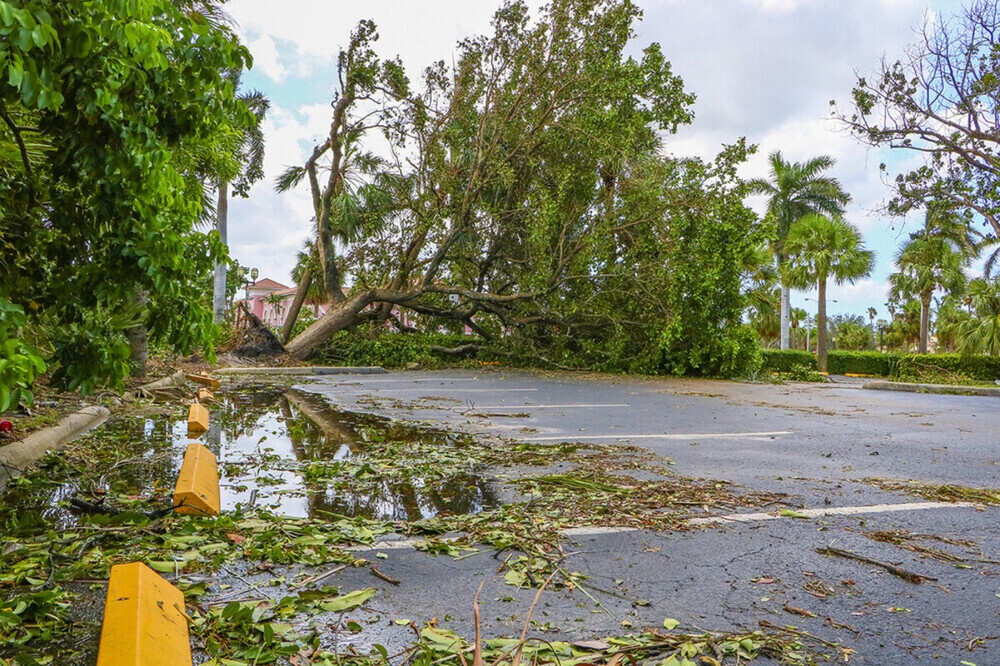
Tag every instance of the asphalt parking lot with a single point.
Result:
(819, 445)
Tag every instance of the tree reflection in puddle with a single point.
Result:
(296, 455)
(287, 451)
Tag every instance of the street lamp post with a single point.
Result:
(249, 283)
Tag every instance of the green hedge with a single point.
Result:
(935, 368)
(874, 363)
(948, 368)
(783, 360)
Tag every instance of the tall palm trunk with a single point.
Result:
(221, 223)
(925, 321)
(786, 305)
(821, 325)
(786, 310)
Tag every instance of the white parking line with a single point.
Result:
(582, 406)
(831, 511)
(426, 389)
(395, 544)
(353, 382)
(693, 435)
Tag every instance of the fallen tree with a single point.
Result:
(525, 197)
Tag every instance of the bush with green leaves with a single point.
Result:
(389, 349)
(802, 373)
(91, 353)
(948, 368)
(875, 363)
(19, 361)
(783, 360)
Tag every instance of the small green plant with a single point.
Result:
(800, 373)
(19, 362)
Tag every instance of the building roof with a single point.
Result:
(267, 284)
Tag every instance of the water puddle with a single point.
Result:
(286, 451)
(300, 457)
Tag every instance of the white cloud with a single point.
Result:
(266, 57)
(774, 5)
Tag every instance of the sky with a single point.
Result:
(766, 70)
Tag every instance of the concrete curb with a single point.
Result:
(16, 457)
(304, 370)
(933, 388)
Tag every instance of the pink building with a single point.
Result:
(271, 300)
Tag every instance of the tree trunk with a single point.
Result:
(137, 336)
(925, 321)
(821, 326)
(785, 316)
(786, 309)
(221, 222)
(338, 317)
(293, 312)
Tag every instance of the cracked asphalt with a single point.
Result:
(815, 443)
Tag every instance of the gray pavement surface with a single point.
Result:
(814, 442)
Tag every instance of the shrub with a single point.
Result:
(91, 353)
(948, 368)
(874, 363)
(19, 362)
(784, 360)
(389, 349)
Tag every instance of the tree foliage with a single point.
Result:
(526, 198)
(114, 113)
(823, 248)
(794, 190)
(933, 258)
(940, 100)
(980, 333)
(19, 362)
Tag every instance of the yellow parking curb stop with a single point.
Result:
(145, 623)
(197, 419)
(197, 489)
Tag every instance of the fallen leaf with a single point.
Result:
(349, 600)
(788, 513)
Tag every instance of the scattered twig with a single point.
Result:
(477, 658)
(840, 625)
(317, 577)
(235, 598)
(798, 611)
(796, 632)
(908, 576)
(379, 574)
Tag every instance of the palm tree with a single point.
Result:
(820, 248)
(980, 334)
(795, 189)
(250, 157)
(759, 280)
(933, 259)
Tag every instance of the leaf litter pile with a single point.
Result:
(105, 500)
